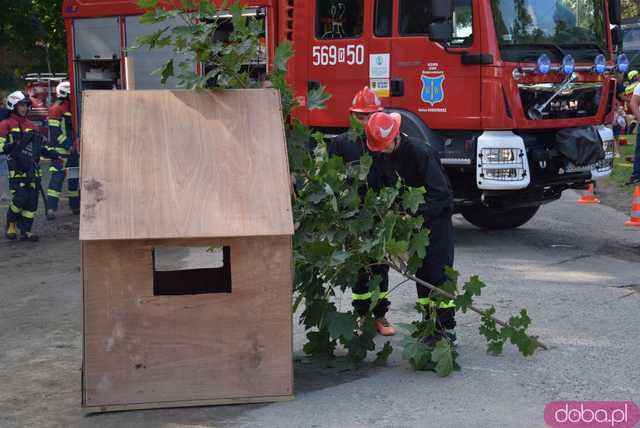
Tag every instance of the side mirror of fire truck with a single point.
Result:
(441, 26)
(441, 32)
(615, 12)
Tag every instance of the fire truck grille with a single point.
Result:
(577, 100)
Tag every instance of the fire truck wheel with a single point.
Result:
(487, 218)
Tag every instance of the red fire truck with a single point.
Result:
(513, 93)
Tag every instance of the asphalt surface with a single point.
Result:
(575, 268)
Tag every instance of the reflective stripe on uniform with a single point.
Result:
(54, 122)
(16, 130)
(15, 174)
(363, 296)
(62, 150)
(53, 169)
(425, 301)
(73, 193)
(383, 294)
(53, 193)
(61, 138)
(68, 113)
(28, 214)
(15, 209)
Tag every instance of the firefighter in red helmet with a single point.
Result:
(350, 146)
(418, 164)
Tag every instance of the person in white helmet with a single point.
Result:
(61, 134)
(19, 139)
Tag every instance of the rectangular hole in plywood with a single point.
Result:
(191, 270)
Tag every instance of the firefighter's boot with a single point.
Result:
(11, 232)
(384, 327)
(28, 236)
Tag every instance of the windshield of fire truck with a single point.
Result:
(527, 28)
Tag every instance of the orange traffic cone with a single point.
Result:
(635, 208)
(589, 197)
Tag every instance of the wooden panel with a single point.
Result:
(140, 348)
(183, 164)
(194, 403)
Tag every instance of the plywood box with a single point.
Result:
(167, 176)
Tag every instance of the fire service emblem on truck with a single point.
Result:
(432, 87)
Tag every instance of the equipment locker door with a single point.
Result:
(429, 78)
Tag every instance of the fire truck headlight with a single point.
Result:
(491, 155)
(503, 174)
(502, 162)
(568, 64)
(600, 64)
(544, 64)
(622, 63)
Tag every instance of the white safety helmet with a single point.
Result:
(16, 98)
(63, 89)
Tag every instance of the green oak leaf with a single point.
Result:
(396, 248)
(419, 243)
(317, 98)
(474, 286)
(341, 324)
(442, 356)
(412, 198)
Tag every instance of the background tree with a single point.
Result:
(28, 29)
(630, 9)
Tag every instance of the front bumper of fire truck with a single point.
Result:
(509, 161)
(514, 170)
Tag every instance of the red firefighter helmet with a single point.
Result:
(366, 101)
(381, 130)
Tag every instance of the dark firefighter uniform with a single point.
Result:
(61, 140)
(351, 149)
(418, 164)
(24, 147)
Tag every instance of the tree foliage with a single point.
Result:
(630, 9)
(26, 27)
(342, 225)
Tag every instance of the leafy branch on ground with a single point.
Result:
(342, 225)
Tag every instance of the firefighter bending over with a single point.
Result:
(418, 164)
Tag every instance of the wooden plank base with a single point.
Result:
(174, 404)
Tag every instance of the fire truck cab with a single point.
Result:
(512, 93)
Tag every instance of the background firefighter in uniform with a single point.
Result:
(24, 147)
(418, 164)
(350, 146)
(61, 139)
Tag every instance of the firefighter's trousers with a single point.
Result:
(439, 254)
(56, 182)
(361, 294)
(24, 204)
